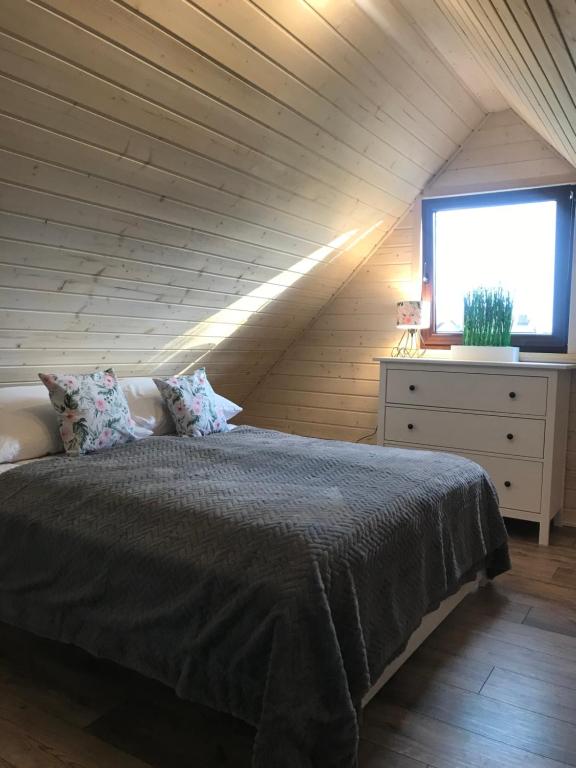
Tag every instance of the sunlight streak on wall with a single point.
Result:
(226, 322)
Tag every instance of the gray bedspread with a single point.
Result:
(266, 575)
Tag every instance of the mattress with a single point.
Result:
(266, 575)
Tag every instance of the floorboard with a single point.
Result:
(565, 576)
(554, 619)
(499, 721)
(532, 694)
(494, 687)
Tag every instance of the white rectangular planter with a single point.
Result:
(488, 354)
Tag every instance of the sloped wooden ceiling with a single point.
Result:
(191, 181)
(527, 48)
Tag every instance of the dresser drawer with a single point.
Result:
(465, 431)
(468, 391)
(519, 483)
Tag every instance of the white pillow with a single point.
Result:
(148, 410)
(229, 408)
(28, 424)
(146, 406)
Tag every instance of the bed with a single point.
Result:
(278, 578)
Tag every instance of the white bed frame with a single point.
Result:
(429, 623)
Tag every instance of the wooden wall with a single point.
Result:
(504, 153)
(192, 181)
(326, 383)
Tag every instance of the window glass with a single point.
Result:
(511, 246)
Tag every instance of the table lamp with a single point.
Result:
(411, 317)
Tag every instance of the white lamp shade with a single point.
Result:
(412, 315)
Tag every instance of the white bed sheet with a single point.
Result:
(6, 467)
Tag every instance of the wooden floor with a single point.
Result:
(493, 687)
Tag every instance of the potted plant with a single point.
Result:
(487, 329)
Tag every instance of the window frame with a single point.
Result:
(557, 341)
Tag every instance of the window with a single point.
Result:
(521, 241)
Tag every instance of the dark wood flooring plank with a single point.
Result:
(535, 592)
(565, 535)
(431, 664)
(528, 597)
(494, 719)
(74, 707)
(22, 750)
(565, 576)
(176, 734)
(546, 642)
(552, 618)
(442, 745)
(535, 695)
(26, 729)
(527, 563)
(374, 756)
(553, 554)
(58, 671)
(469, 644)
(490, 602)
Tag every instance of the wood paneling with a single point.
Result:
(504, 153)
(194, 180)
(326, 382)
(446, 38)
(527, 49)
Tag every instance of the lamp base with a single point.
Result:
(410, 344)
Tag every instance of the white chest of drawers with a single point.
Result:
(510, 418)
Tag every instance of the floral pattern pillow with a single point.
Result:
(192, 404)
(92, 410)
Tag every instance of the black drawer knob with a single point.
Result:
(412, 387)
(510, 436)
(410, 426)
(507, 483)
(512, 395)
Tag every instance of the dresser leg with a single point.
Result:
(544, 534)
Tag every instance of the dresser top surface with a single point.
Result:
(448, 362)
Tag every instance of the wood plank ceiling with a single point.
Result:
(191, 180)
(526, 47)
(188, 178)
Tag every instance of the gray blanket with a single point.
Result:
(266, 575)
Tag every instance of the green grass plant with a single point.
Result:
(487, 318)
